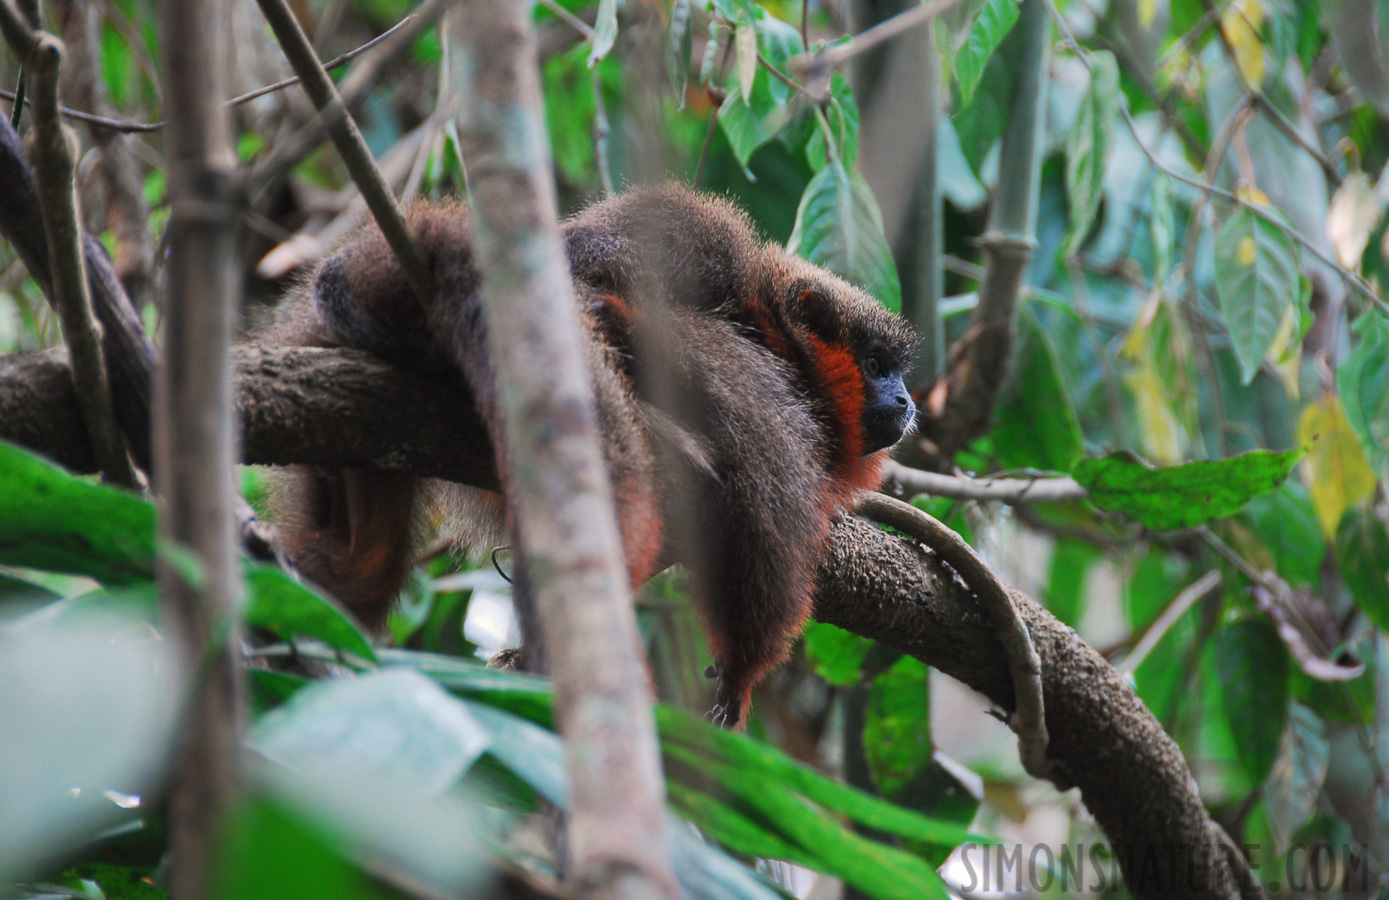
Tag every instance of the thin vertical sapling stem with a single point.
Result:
(195, 444)
(54, 160)
(979, 361)
(566, 529)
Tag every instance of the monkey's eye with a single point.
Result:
(874, 366)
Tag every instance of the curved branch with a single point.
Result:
(1024, 666)
(297, 405)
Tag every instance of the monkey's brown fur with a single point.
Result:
(745, 397)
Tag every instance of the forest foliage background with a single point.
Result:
(1206, 282)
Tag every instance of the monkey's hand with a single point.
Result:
(728, 705)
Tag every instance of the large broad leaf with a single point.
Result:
(992, 25)
(803, 834)
(1088, 144)
(395, 725)
(91, 705)
(897, 730)
(1286, 522)
(1182, 496)
(1363, 383)
(277, 603)
(758, 105)
(372, 763)
(836, 655)
(1358, 30)
(1295, 785)
(1338, 475)
(525, 695)
(55, 521)
(839, 226)
(1037, 426)
(1252, 665)
(269, 842)
(1362, 553)
(1070, 567)
(536, 756)
(755, 766)
(1256, 278)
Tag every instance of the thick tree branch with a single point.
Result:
(130, 354)
(297, 404)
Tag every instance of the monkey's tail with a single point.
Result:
(350, 531)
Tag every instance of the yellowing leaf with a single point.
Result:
(1147, 13)
(1251, 194)
(1338, 475)
(1285, 353)
(1157, 347)
(1161, 431)
(1353, 215)
(1240, 22)
(1245, 253)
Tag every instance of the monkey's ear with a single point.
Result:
(817, 311)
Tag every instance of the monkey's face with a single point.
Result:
(888, 411)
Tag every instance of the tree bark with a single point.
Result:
(195, 444)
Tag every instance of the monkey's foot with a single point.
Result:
(728, 707)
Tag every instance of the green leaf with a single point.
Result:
(394, 725)
(1252, 666)
(1286, 522)
(1037, 426)
(1182, 496)
(1362, 553)
(994, 22)
(956, 178)
(1295, 784)
(1088, 145)
(679, 44)
(268, 844)
(839, 226)
(897, 729)
(1363, 383)
(732, 827)
(1065, 591)
(23, 591)
(843, 117)
(759, 765)
(1256, 277)
(757, 106)
(836, 655)
(60, 523)
(604, 31)
(823, 843)
(279, 604)
(522, 694)
(269, 689)
(533, 754)
(736, 11)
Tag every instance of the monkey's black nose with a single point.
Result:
(903, 400)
